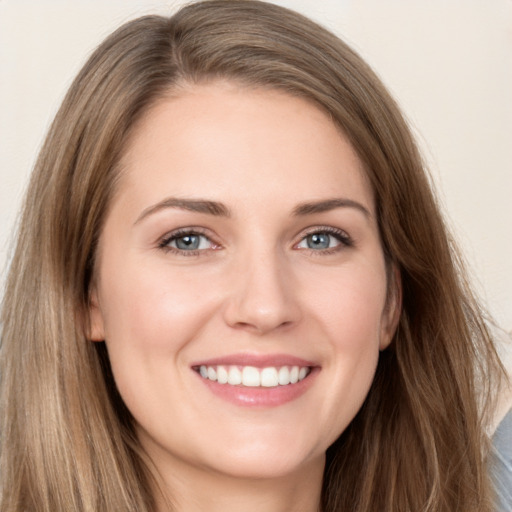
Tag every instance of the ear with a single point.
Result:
(392, 310)
(95, 329)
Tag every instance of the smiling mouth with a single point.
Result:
(250, 376)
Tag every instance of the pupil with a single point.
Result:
(187, 242)
(318, 241)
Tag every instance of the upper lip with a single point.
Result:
(256, 360)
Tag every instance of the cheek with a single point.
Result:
(356, 315)
(151, 320)
(151, 308)
(350, 315)
(351, 304)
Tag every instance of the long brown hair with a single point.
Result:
(67, 440)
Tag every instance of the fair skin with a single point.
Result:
(277, 264)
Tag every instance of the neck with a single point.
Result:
(189, 489)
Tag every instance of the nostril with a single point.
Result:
(263, 324)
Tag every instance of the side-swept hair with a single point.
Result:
(67, 441)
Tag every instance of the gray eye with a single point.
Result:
(318, 241)
(323, 240)
(188, 242)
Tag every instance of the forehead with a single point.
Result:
(215, 139)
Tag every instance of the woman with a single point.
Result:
(233, 289)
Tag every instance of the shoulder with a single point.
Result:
(501, 461)
(501, 464)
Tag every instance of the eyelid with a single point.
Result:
(340, 234)
(345, 240)
(164, 241)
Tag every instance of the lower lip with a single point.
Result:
(260, 396)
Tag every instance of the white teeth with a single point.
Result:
(234, 376)
(284, 376)
(222, 375)
(251, 376)
(269, 378)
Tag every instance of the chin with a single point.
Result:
(267, 460)
(258, 468)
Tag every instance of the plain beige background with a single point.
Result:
(448, 62)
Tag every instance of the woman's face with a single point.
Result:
(240, 282)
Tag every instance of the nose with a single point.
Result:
(262, 297)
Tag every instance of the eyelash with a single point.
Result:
(180, 233)
(340, 235)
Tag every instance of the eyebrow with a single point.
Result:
(221, 210)
(329, 204)
(192, 205)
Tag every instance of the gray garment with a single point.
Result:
(502, 464)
